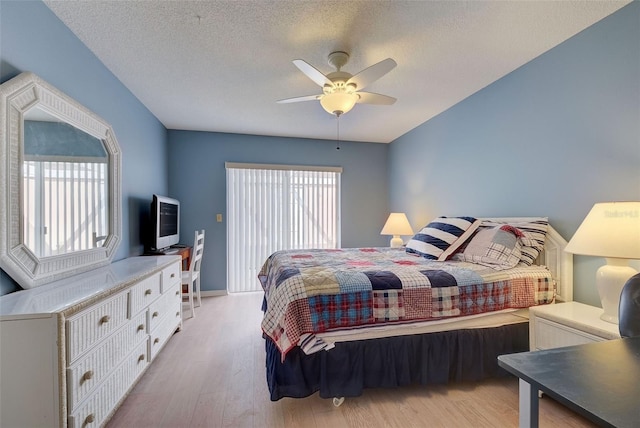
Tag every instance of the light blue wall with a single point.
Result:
(552, 138)
(33, 39)
(197, 178)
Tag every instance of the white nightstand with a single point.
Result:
(565, 324)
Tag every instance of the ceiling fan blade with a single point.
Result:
(298, 99)
(312, 72)
(372, 98)
(373, 73)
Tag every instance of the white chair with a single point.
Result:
(191, 277)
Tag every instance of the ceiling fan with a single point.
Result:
(342, 90)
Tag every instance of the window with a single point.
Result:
(276, 207)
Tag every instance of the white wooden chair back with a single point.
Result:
(191, 277)
(196, 252)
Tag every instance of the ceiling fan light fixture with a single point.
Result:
(339, 88)
(338, 102)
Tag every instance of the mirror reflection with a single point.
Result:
(65, 187)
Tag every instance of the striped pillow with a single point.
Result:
(535, 233)
(442, 237)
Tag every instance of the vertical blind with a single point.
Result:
(277, 207)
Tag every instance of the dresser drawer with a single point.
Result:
(86, 328)
(165, 329)
(93, 411)
(159, 309)
(144, 293)
(550, 334)
(171, 275)
(92, 369)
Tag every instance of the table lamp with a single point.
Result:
(396, 225)
(610, 230)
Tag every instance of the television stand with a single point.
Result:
(175, 250)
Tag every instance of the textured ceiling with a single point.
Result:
(221, 65)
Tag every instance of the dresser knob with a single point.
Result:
(147, 292)
(88, 375)
(177, 292)
(155, 314)
(89, 419)
(141, 327)
(178, 313)
(173, 275)
(141, 358)
(105, 319)
(156, 340)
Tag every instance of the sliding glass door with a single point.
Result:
(277, 207)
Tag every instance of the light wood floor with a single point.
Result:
(211, 374)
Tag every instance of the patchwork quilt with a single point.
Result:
(313, 291)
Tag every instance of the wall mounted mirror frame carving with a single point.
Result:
(51, 233)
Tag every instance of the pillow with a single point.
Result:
(439, 239)
(496, 247)
(535, 233)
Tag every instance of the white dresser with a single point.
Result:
(71, 350)
(566, 324)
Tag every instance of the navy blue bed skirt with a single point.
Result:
(431, 358)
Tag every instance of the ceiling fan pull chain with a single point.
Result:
(338, 138)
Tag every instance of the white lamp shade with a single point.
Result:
(611, 229)
(396, 225)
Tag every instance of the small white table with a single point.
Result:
(566, 324)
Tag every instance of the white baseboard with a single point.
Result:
(213, 293)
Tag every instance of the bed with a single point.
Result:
(340, 321)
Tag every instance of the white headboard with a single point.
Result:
(559, 262)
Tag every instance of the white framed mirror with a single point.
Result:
(60, 210)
